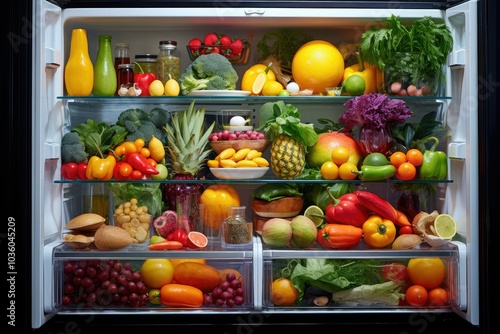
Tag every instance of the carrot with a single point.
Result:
(166, 245)
(181, 295)
(402, 219)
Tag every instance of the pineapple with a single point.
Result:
(187, 151)
(290, 139)
(287, 157)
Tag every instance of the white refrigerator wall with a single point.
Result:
(143, 28)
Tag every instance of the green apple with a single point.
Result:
(156, 239)
(163, 172)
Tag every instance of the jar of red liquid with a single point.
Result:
(125, 76)
(122, 54)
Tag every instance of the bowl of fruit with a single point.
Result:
(251, 139)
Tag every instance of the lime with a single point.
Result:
(445, 226)
(354, 85)
(284, 92)
(315, 213)
(156, 88)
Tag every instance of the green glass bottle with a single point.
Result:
(104, 69)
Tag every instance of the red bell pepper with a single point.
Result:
(339, 236)
(69, 170)
(347, 209)
(143, 80)
(179, 235)
(82, 171)
(376, 204)
(140, 163)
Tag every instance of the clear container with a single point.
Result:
(147, 62)
(236, 229)
(122, 54)
(125, 76)
(168, 63)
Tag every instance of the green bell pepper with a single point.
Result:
(435, 163)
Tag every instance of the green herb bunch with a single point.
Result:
(416, 51)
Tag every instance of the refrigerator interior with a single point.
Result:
(143, 28)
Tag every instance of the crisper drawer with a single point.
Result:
(320, 280)
(121, 282)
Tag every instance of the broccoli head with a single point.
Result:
(141, 124)
(209, 71)
(72, 148)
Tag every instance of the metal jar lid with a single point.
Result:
(147, 57)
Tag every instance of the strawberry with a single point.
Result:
(211, 39)
(194, 44)
(225, 40)
(236, 47)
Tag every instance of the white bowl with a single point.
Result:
(240, 173)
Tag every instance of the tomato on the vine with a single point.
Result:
(416, 295)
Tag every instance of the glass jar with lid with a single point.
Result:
(236, 229)
(147, 62)
(168, 64)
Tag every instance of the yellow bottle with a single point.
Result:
(79, 70)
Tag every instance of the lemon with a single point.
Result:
(315, 213)
(156, 88)
(354, 85)
(258, 83)
(172, 88)
(272, 88)
(445, 226)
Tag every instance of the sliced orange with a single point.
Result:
(197, 240)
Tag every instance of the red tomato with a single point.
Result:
(417, 295)
(136, 174)
(405, 230)
(125, 169)
(438, 297)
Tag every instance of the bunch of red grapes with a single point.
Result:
(229, 293)
(103, 283)
(236, 135)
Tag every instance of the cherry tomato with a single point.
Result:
(152, 162)
(136, 174)
(125, 169)
(438, 297)
(139, 143)
(416, 295)
(345, 171)
(406, 230)
(145, 152)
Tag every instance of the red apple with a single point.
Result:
(327, 142)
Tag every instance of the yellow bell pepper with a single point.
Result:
(378, 232)
(216, 199)
(100, 168)
(366, 71)
(251, 74)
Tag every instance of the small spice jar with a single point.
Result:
(168, 63)
(147, 62)
(236, 230)
(125, 76)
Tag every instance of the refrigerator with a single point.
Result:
(40, 203)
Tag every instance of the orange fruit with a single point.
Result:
(415, 157)
(340, 155)
(345, 171)
(406, 171)
(329, 170)
(197, 240)
(283, 293)
(427, 272)
(398, 158)
(316, 65)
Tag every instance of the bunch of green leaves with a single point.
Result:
(99, 137)
(427, 42)
(282, 44)
(286, 120)
(415, 135)
(148, 194)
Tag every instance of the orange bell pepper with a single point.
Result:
(378, 232)
(366, 71)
